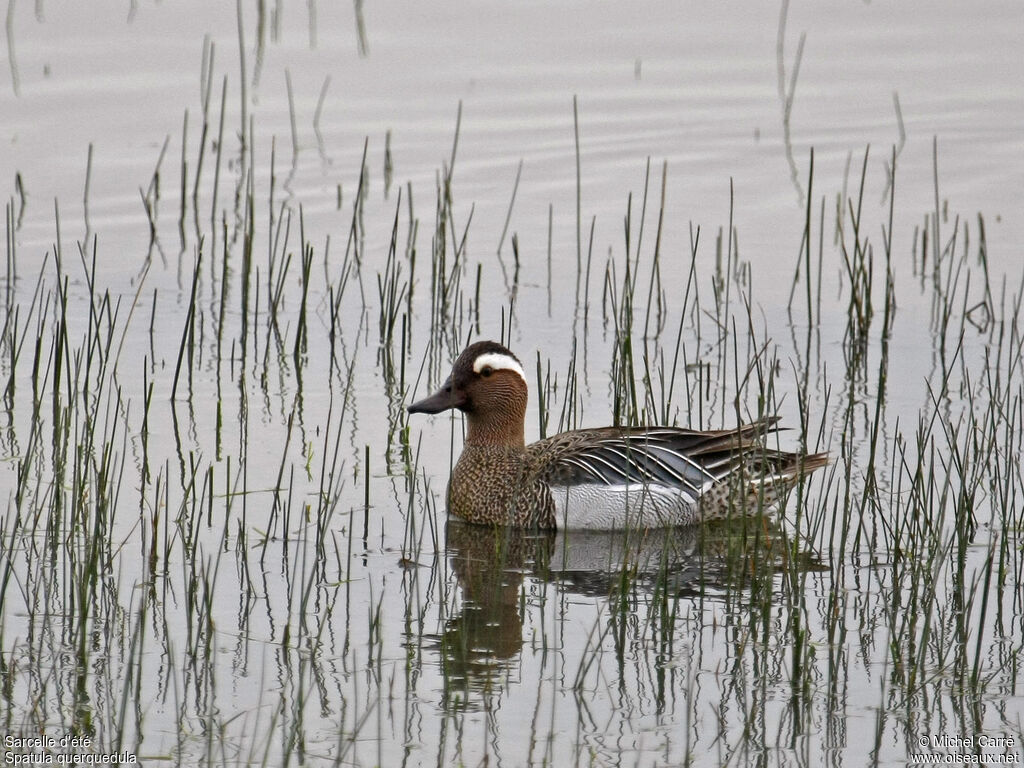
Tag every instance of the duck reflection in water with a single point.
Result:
(504, 573)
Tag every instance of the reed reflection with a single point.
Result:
(502, 574)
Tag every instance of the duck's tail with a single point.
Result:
(758, 478)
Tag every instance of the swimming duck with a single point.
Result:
(599, 479)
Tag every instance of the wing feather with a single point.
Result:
(689, 460)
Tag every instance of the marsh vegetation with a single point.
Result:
(224, 543)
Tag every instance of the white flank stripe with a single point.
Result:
(498, 362)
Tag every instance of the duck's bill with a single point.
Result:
(446, 397)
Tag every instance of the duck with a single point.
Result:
(603, 478)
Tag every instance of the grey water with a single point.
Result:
(224, 542)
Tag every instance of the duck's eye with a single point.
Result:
(486, 371)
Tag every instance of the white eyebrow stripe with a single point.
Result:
(498, 362)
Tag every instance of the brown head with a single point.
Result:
(487, 384)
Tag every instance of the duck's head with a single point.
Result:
(488, 384)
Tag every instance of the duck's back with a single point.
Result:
(612, 478)
(649, 477)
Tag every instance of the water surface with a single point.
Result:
(235, 548)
